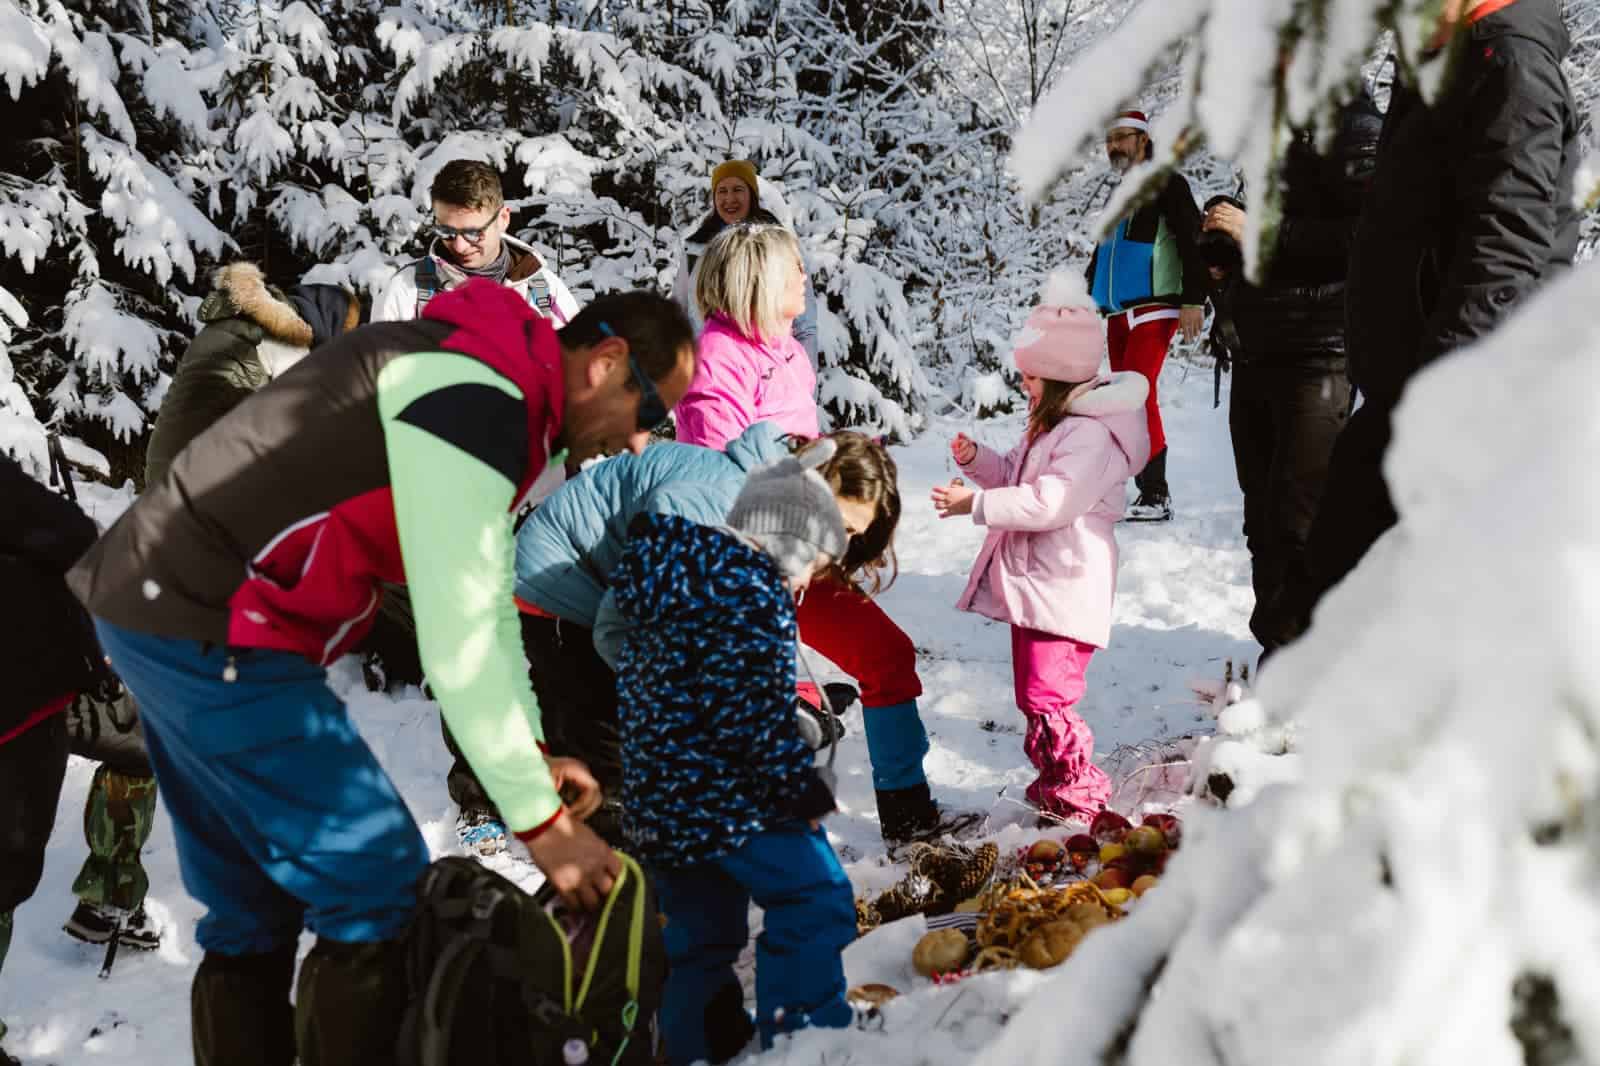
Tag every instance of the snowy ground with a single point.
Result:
(1181, 609)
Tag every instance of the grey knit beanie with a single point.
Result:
(788, 509)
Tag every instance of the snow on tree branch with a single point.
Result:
(160, 228)
(24, 49)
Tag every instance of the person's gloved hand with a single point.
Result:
(105, 686)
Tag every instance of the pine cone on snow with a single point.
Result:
(957, 872)
(942, 875)
(910, 896)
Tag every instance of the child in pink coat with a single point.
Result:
(1049, 563)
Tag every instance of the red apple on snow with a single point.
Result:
(1114, 878)
(1046, 852)
(1145, 840)
(1082, 842)
(1169, 825)
(1109, 827)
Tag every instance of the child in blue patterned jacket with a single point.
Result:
(722, 796)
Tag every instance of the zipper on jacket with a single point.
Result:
(230, 670)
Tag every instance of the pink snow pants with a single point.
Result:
(1050, 679)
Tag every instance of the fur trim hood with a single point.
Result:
(240, 290)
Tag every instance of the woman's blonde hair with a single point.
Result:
(743, 276)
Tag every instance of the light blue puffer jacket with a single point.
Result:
(570, 544)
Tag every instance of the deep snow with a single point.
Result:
(1181, 610)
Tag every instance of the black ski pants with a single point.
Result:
(32, 766)
(1284, 418)
(577, 695)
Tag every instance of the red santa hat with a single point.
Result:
(1130, 120)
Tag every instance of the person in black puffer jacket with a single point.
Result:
(1285, 337)
(1470, 212)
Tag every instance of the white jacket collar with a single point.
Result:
(1112, 394)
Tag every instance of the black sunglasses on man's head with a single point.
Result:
(652, 412)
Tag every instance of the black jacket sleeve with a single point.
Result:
(41, 535)
(1183, 216)
(1310, 239)
(40, 526)
(1506, 192)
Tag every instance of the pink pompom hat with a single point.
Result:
(1062, 339)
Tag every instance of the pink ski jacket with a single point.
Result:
(739, 382)
(1050, 559)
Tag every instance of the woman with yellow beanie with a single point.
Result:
(736, 196)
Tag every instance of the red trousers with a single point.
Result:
(1138, 340)
(856, 635)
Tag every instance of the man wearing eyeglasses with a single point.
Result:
(1149, 282)
(469, 240)
(399, 455)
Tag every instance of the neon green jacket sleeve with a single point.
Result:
(452, 511)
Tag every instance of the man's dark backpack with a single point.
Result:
(499, 977)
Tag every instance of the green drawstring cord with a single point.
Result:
(630, 1014)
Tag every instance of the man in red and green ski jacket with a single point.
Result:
(401, 454)
(1148, 280)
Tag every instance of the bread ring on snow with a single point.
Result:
(994, 959)
(1002, 927)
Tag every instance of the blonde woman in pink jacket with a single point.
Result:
(749, 367)
(1049, 563)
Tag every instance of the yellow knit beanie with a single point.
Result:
(742, 169)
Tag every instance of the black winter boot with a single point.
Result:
(240, 1009)
(1155, 500)
(909, 815)
(728, 1024)
(349, 1003)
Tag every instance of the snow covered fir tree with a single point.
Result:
(1379, 847)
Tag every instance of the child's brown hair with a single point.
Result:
(1054, 400)
(862, 469)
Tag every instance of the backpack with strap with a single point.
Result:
(426, 275)
(499, 977)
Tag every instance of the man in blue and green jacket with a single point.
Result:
(1149, 281)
